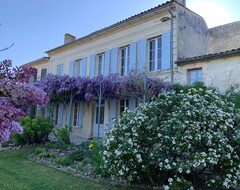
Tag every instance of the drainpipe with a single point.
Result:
(171, 46)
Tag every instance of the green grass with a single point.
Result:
(19, 172)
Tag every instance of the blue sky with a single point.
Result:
(35, 26)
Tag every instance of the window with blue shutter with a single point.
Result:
(92, 66)
(124, 60)
(114, 60)
(60, 70)
(106, 66)
(100, 62)
(166, 45)
(71, 68)
(59, 115)
(132, 103)
(133, 57)
(159, 52)
(194, 75)
(141, 55)
(83, 67)
(80, 113)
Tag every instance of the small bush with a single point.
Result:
(43, 155)
(64, 161)
(96, 156)
(34, 131)
(77, 156)
(38, 150)
(63, 134)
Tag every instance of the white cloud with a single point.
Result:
(213, 11)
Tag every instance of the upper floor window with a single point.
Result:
(124, 55)
(155, 54)
(43, 73)
(76, 71)
(60, 70)
(194, 75)
(100, 62)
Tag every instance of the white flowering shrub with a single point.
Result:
(181, 140)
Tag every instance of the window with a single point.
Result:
(155, 54)
(100, 61)
(43, 73)
(101, 112)
(76, 71)
(75, 113)
(56, 114)
(194, 75)
(125, 52)
(60, 70)
(124, 104)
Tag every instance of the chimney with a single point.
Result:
(182, 2)
(68, 38)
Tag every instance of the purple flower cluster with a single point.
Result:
(60, 88)
(15, 93)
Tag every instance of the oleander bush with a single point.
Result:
(35, 130)
(188, 138)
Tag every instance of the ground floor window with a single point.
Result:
(194, 75)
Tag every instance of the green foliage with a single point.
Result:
(77, 155)
(43, 155)
(96, 156)
(35, 130)
(181, 140)
(38, 150)
(65, 161)
(63, 134)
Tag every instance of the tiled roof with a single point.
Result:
(152, 10)
(36, 61)
(209, 56)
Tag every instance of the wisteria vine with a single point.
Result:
(15, 93)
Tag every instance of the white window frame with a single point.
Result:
(124, 103)
(42, 75)
(77, 67)
(75, 115)
(157, 54)
(197, 72)
(100, 64)
(60, 70)
(124, 60)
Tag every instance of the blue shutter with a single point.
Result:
(68, 114)
(60, 115)
(80, 113)
(142, 55)
(92, 66)
(106, 66)
(112, 112)
(83, 67)
(71, 68)
(132, 103)
(166, 44)
(114, 60)
(133, 57)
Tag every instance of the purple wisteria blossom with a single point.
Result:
(14, 94)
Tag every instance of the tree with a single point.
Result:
(15, 95)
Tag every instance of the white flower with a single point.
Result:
(180, 170)
(139, 158)
(166, 187)
(170, 180)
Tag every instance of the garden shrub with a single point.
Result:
(96, 156)
(38, 150)
(183, 139)
(65, 161)
(63, 134)
(35, 130)
(77, 155)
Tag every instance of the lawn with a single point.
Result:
(19, 172)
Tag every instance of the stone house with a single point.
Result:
(168, 41)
